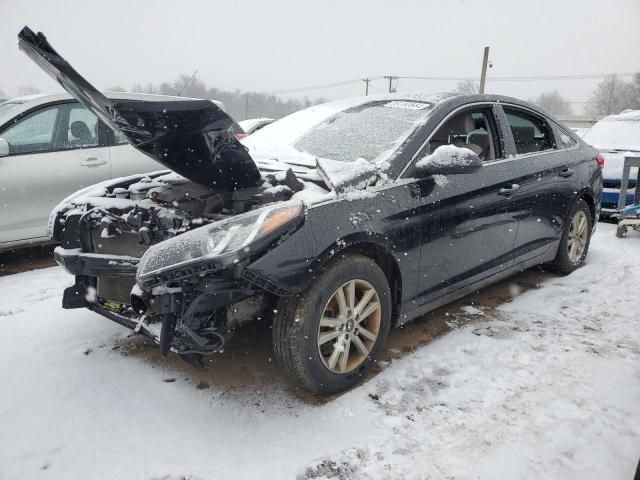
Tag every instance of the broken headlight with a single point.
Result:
(220, 244)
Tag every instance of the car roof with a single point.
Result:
(27, 102)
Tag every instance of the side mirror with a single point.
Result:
(4, 147)
(448, 159)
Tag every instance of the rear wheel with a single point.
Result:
(576, 236)
(327, 337)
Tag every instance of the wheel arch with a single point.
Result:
(587, 196)
(379, 253)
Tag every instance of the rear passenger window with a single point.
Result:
(530, 133)
(83, 128)
(563, 139)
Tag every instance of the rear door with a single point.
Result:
(53, 151)
(126, 160)
(546, 180)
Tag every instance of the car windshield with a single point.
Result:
(365, 131)
(615, 134)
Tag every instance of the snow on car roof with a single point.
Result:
(626, 115)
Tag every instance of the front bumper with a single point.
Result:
(77, 262)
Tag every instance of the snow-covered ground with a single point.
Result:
(546, 387)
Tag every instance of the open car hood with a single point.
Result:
(191, 137)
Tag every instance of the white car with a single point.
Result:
(254, 124)
(50, 147)
(616, 136)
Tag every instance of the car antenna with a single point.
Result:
(187, 83)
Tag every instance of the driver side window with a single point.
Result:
(473, 129)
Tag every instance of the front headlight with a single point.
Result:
(223, 242)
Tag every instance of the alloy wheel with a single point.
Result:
(578, 236)
(349, 326)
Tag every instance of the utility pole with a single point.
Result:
(391, 79)
(246, 106)
(366, 81)
(483, 74)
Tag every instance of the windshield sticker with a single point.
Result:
(409, 105)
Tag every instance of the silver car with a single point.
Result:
(51, 146)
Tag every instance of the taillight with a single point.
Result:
(600, 160)
(240, 136)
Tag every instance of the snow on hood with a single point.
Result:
(340, 176)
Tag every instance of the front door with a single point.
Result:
(468, 226)
(53, 152)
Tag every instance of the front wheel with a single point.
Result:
(327, 337)
(575, 240)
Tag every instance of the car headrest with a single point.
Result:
(523, 134)
(460, 124)
(80, 130)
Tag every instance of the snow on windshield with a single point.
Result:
(365, 131)
(616, 132)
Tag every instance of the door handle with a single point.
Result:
(92, 162)
(567, 172)
(506, 191)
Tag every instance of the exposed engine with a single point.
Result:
(121, 221)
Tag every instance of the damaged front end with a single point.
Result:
(169, 262)
(166, 254)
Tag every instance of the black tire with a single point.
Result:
(562, 263)
(296, 325)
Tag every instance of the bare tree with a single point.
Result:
(115, 88)
(612, 95)
(467, 87)
(27, 90)
(236, 102)
(634, 92)
(554, 103)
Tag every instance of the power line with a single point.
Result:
(525, 79)
(452, 78)
(319, 87)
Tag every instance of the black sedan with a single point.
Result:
(336, 223)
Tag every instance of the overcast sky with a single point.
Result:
(276, 45)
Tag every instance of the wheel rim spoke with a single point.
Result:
(351, 295)
(342, 303)
(330, 322)
(582, 226)
(373, 306)
(367, 334)
(362, 348)
(333, 359)
(364, 301)
(328, 337)
(344, 356)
